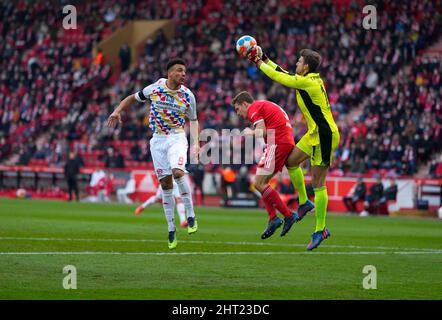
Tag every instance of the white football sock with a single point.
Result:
(186, 195)
(149, 201)
(181, 211)
(169, 208)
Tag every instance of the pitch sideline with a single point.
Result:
(225, 253)
(425, 250)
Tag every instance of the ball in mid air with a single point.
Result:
(244, 44)
(21, 193)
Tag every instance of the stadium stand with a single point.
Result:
(56, 97)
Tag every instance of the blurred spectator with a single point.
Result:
(112, 159)
(198, 174)
(287, 192)
(390, 194)
(4, 148)
(99, 58)
(122, 193)
(125, 57)
(373, 199)
(438, 172)
(388, 201)
(286, 187)
(228, 176)
(98, 187)
(357, 194)
(71, 171)
(242, 181)
(25, 154)
(110, 15)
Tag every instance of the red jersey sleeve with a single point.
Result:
(254, 114)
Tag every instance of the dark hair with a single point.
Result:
(241, 97)
(173, 62)
(312, 58)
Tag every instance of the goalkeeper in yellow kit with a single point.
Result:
(322, 138)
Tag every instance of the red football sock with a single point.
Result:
(270, 210)
(272, 199)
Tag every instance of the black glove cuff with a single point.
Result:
(264, 57)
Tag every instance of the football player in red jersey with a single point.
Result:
(271, 123)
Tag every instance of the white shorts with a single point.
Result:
(168, 152)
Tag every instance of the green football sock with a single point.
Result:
(297, 178)
(321, 201)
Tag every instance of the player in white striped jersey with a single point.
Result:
(170, 104)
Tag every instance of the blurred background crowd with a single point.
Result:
(55, 94)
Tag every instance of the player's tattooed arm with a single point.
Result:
(115, 117)
(258, 132)
(194, 139)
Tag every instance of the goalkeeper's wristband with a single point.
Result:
(265, 58)
(253, 56)
(256, 60)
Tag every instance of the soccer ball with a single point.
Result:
(244, 44)
(21, 193)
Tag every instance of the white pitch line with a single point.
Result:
(297, 245)
(222, 253)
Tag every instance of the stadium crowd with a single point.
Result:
(60, 96)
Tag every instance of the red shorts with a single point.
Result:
(274, 157)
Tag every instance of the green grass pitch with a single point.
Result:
(118, 255)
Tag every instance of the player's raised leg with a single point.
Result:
(293, 163)
(272, 201)
(181, 212)
(321, 201)
(179, 205)
(177, 155)
(155, 198)
(268, 197)
(186, 196)
(321, 197)
(169, 208)
(321, 161)
(158, 148)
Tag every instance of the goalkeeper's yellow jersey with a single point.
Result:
(311, 96)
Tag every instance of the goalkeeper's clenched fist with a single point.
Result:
(255, 54)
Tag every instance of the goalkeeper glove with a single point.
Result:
(255, 54)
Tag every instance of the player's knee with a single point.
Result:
(177, 173)
(318, 184)
(318, 181)
(292, 162)
(260, 186)
(166, 186)
(166, 183)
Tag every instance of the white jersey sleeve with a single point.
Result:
(143, 95)
(191, 111)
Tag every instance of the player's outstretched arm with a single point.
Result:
(272, 70)
(115, 117)
(257, 55)
(194, 139)
(283, 77)
(192, 115)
